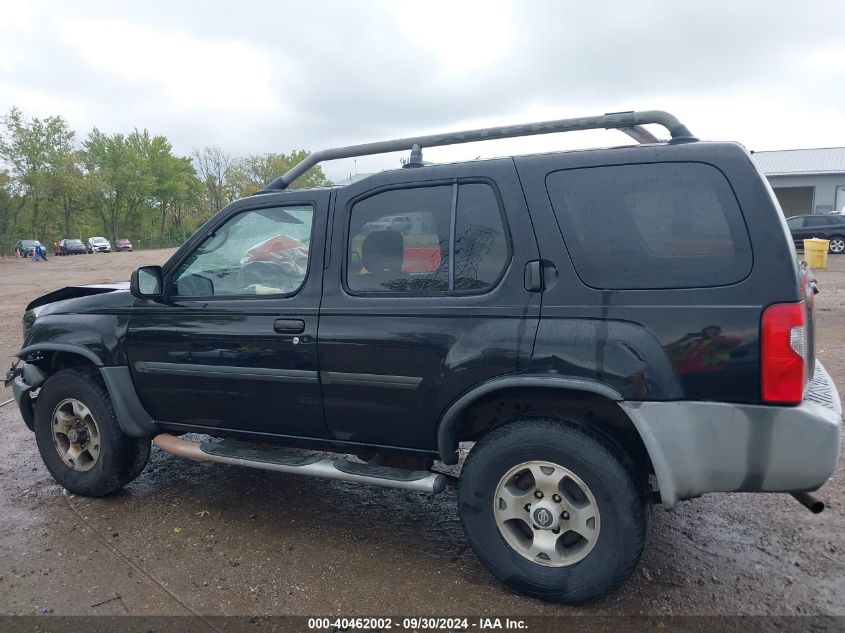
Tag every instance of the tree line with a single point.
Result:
(54, 185)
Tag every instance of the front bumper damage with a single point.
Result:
(24, 379)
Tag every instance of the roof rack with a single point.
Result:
(628, 122)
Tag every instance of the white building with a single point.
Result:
(806, 180)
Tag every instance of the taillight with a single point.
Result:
(784, 353)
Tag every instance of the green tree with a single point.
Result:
(121, 180)
(249, 174)
(212, 165)
(35, 152)
(10, 205)
(69, 186)
(178, 191)
(120, 185)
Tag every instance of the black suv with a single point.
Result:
(606, 328)
(826, 227)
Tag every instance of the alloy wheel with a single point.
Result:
(76, 435)
(546, 513)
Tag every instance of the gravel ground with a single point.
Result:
(190, 538)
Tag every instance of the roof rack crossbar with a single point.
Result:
(628, 122)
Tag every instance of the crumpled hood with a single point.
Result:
(77, 292)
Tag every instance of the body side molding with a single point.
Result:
(227, 371)
(370, 380)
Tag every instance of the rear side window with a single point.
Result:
(481, 248)
(403, 240)
(661, 225)
(821, 220)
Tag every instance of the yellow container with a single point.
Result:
(815, 252)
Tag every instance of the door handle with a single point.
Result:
(289, 326)
(533, 276)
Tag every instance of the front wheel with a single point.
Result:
(79, 437)
(554, 510)
(837, 244)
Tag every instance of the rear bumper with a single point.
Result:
(698, 447)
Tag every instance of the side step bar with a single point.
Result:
(228, 452)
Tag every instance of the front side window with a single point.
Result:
(257, 252)
(402, 240)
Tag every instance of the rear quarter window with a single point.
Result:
(651, 226)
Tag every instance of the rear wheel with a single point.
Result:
(79, 437)
(837, 244)
(554, 510)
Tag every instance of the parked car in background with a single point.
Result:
(26, 247)
(72, 247)
(98, 245)
(123, 245)
(826, 227)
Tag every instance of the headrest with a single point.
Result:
(383, 251)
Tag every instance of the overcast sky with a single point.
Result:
(274, 76)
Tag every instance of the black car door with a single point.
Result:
(234, 346)
(414, 316)
(818, 226)
(796, 228)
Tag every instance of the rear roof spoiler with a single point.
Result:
(629, 122)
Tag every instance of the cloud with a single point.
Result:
(274, 76)
(181, 70)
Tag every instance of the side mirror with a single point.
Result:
(147, 283)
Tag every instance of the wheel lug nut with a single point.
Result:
(556, 498)
(538, 494)
(556, 530)
(527, 507)
(565, 516)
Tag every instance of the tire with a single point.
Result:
(110, 459)
(837, 244)
(615, 488)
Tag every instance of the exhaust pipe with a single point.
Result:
(814, 505)
(419, 481)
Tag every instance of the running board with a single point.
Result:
(228, 452)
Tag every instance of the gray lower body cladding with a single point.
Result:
(699, 447)
(133, 418)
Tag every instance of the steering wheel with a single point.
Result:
(265, 274)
